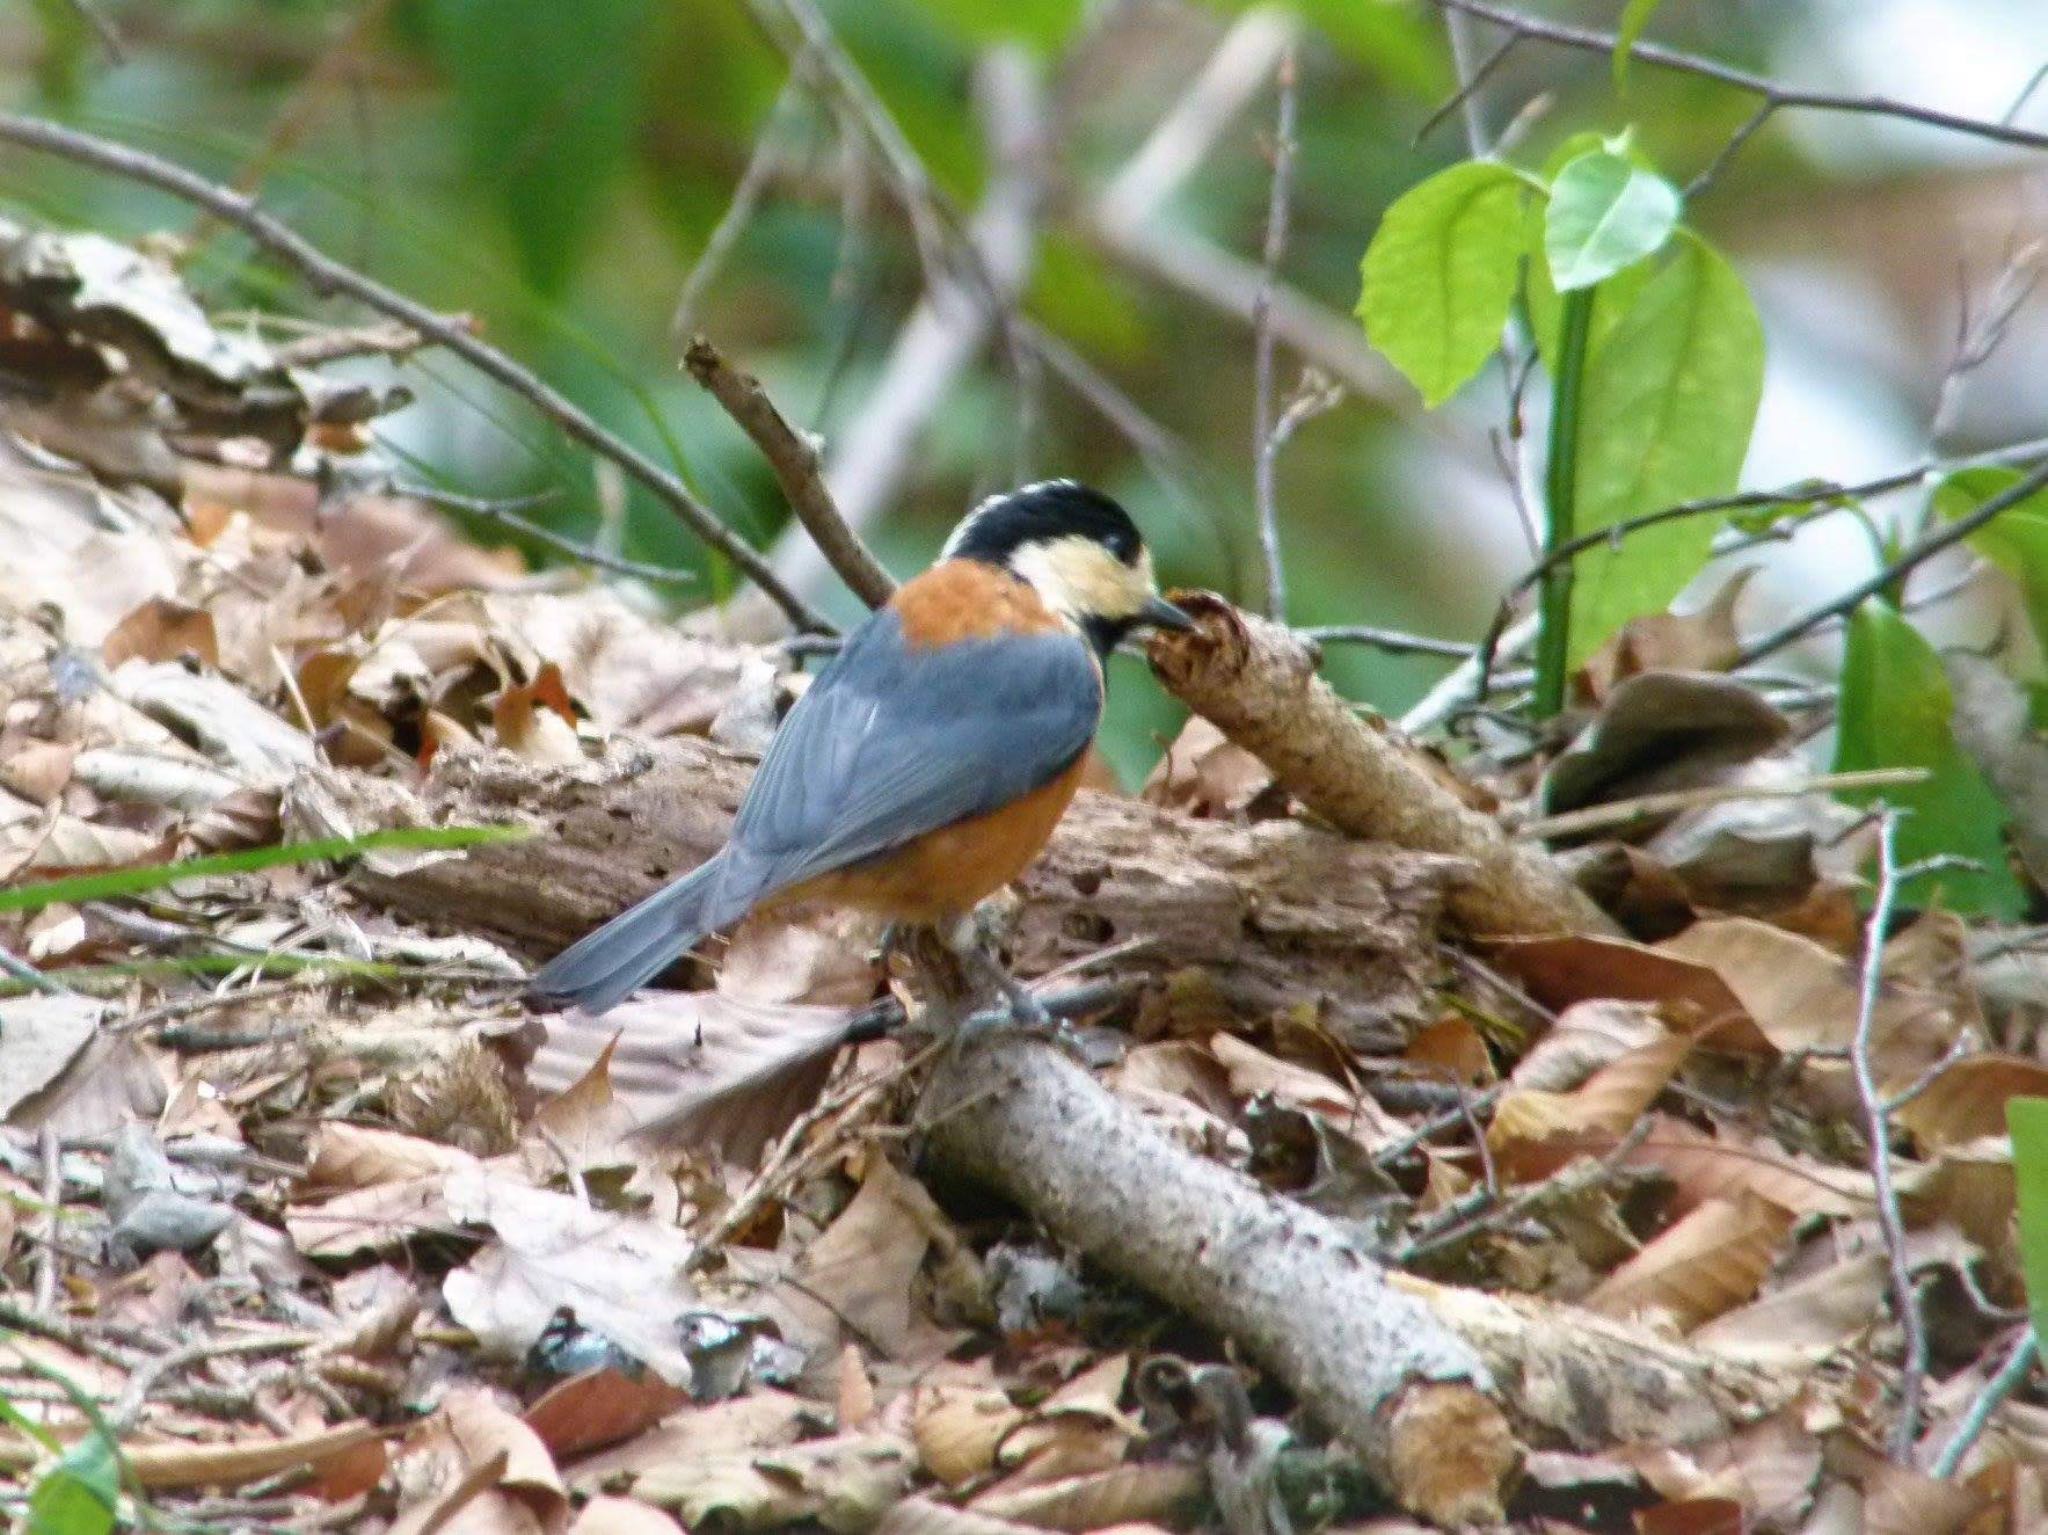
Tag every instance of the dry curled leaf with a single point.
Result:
(1713, 1259)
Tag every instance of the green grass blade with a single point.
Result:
(116, 882)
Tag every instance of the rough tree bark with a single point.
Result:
(1436, 1388)
(1274, 912)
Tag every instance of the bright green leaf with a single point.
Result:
(1606, 213)
(1634, 17)
(78, 1495)
(2027, 1119)
(1895, 712)
(547, 94)
(1670, 397)
(1611, 300)
(2016, 540)
(1439, 276)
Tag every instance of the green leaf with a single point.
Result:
(1669, 402)
(1439, 276)
(79, 1494)
(1895, 712)
(1042, 24)
(1634, 17)
(1606, 213)
(2016, 540)
(116, 882)
(1611, 300)
(2027, 1119)
(546, 95)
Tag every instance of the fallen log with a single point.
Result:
(1276, 913)
(1438, 1389)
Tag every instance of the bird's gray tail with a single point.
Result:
(600, 968)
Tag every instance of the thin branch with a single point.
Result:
(1265, 449)
(1629, 812)
(1877, 1132)
(1780, 96)
(1465, 98)
(51, 1153)
(1946, 536)
(761, 167)
(327, 276)
(1394, 641)
(507, 514)
(2019, 1364)
(798, 470)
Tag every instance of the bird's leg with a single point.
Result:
(972, 940)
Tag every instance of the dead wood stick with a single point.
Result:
(798, 470)
(1431, 1385)
(1256, 681)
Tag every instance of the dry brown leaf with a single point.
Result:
(859, 1273)
(371, 1219)
(1971, 1185)
(347, 1156)
(819, 958)
(1723, 1166)
(1709, 1261)
(1561, 971)
(1808, 1320)
(1700, 641)
(957, 1427)
(1966, 1101)
(1694, 1516)
(1609, 1102)
(599, 1408)
(1147, 1493)
(1587, 1037)
(762, 1420)
(916, 1515)
(622, 1516)
(698, 1067)
(162, 629)
(38, 770)
(1899, 1500)
(843, 1483)
(115, 1079)
(1207, 775)
(584, 1124)
(484, 1430)
(622, 1275)
(160, 1467)
(1451, 1049)
(41, 1035)
(1254, 1073)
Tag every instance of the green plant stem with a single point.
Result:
(1560, 496)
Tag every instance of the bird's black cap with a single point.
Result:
(1041, 513)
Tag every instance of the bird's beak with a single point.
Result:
(1161, 614)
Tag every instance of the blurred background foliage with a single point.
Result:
(555, 168)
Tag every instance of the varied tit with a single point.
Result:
(929, 762)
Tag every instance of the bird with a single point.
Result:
(929, 761)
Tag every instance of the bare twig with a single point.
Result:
(1877, 1131)
(1265, 449)
(1945, 536)
(1628, 812)
(1781, 97)
(328, 276)
(1393, 641)
(507, 514)
(1468, 681)
(51, 1151)
(798, 470)
(2018, 1365)
(754, 182)
(961, 306)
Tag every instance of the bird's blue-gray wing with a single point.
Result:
(893, 741)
